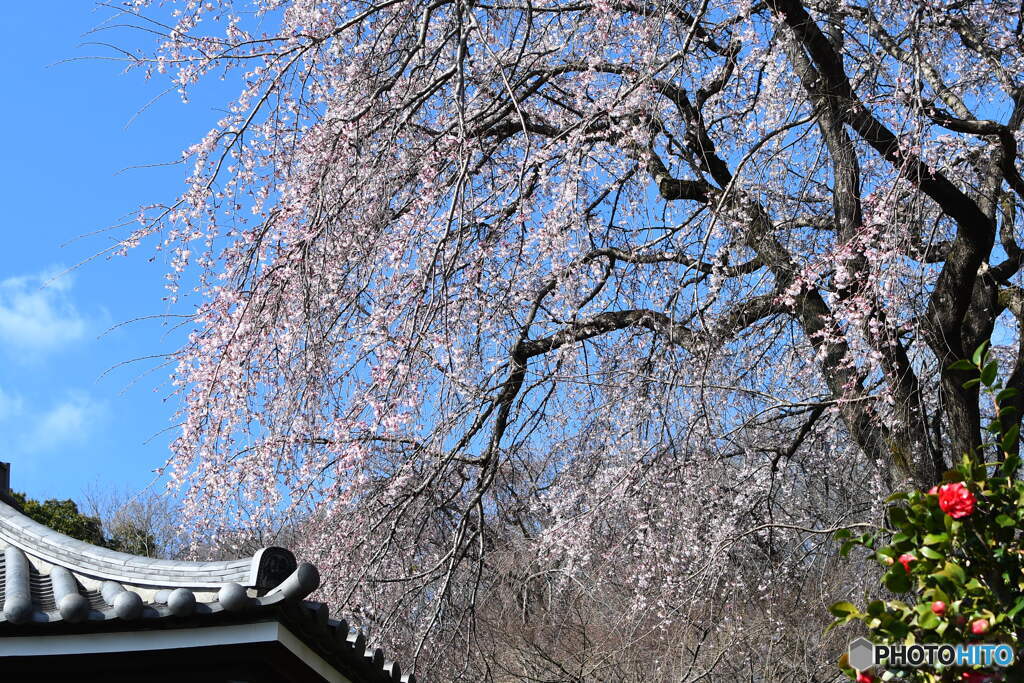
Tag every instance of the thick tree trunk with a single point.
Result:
(963, 420)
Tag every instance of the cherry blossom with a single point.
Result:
(557, 332)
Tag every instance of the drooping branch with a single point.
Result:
(972, 223)
(519, 272)
(954, 289)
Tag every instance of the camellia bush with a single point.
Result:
(952, 558)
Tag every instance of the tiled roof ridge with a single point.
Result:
(59, 549)
(44, 589)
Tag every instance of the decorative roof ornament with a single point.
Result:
(55, 589)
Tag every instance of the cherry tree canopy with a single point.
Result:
(573, 321)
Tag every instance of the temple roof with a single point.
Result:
(53, 584)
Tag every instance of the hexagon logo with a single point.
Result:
(861, 654)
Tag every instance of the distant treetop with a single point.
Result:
(65, 517)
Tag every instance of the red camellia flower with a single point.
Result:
(939, 607)
(864, 677)
(956, 500)
(905, 559)
(977, 677)
(979, 627)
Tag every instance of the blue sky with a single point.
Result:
(67, 424)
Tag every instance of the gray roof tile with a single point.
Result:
(136, 591)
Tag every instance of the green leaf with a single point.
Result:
(1006, 394)
(979, 354)
(935, 539)
(1011, 465)
(946, 585)
(962, 364)
(898, 516)
(972, 383)
(930, 553)
(896, 580)
(988, 375)
(1005, 521)
(1016, 608)
(842, 534)
(954, 572)
(844, 609)
(928, 620)
(974, 586)
(1010, 438)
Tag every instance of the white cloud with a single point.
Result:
(67, 421)
(11, 405)
(30, 428)
(37, 313)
